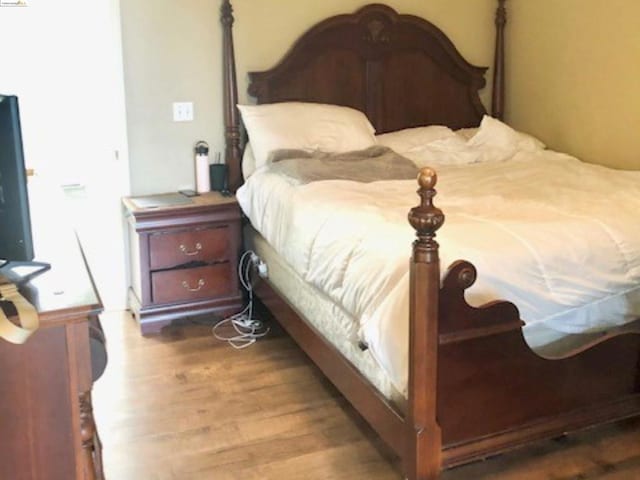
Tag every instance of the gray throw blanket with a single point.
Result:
(370, 165)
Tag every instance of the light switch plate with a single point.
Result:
(183, 111)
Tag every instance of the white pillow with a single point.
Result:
(305, 126)
(401, 141)
(494, 133)
(248, 161)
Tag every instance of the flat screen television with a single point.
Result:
(16, 243)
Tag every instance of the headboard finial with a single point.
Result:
(501, 13)
(226, 13)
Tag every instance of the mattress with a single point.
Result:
(329, 319)
(558, 237)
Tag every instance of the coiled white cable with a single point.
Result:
(247, 329)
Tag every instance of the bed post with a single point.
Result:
(232, 154)
(424, 446)
(497, 104)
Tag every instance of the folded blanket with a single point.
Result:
(365, 166)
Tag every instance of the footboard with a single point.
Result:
(495, 393)
(482, 389)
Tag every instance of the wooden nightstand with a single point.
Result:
(184, 258)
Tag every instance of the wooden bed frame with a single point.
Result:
(475, 386)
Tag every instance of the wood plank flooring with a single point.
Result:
(184, 406)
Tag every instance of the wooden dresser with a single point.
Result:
(47, 430)
(183, 258)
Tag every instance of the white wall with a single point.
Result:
(63, 59)
(59, 65)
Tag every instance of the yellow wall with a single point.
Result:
(172, 52)
(260, 44)
(574, 76)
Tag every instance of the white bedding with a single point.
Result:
(559, 238)
(316, 309)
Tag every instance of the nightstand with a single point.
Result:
(184, 257)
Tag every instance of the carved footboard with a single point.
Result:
(511, 395)
(490, 390)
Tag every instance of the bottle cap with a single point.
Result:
(202, 148)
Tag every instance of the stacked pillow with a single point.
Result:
(303, 126)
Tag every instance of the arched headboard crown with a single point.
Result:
(401, 70)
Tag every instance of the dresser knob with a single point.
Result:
(184, 250)
(195, 289)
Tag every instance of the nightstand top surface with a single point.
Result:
(164, 202)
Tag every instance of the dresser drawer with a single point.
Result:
(192, 283)
(168, 250)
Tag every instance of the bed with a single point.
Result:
(474, 386)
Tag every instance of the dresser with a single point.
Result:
(47, 430)
(184, 257)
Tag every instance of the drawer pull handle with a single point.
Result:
(184, 250)
(196, 289)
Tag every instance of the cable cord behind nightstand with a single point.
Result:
(247, 328)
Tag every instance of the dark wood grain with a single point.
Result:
(422, 459)
(173, 248)
(162, 243)
(185, 284)
(400, 70)
(35, 406)
(41, 381)
(233, 154)
(88, 435)
(521, 396)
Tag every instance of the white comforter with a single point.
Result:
(558, 237)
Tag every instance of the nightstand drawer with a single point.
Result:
(168, 250)
(192, 283)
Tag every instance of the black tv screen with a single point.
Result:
(15, 223)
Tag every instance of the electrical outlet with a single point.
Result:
(183, 111)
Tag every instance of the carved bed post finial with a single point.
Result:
(423, 459)
(233, 155)
(497, 105)
(426, 219)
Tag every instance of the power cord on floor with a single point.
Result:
(247, 328)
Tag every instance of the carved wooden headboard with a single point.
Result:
(400, 70)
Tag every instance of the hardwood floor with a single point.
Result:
(184, 406)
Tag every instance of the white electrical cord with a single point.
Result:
(247, 329)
